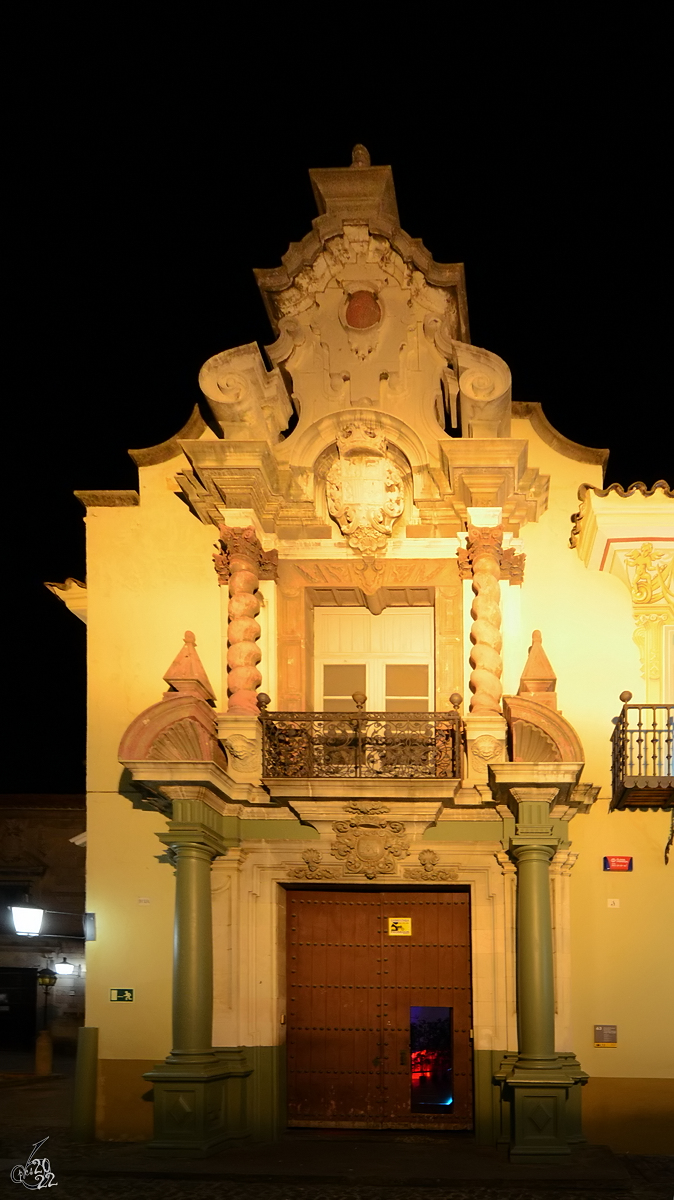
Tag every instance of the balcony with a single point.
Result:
(643, 749)
(361, 745)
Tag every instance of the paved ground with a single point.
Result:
(321, 1165)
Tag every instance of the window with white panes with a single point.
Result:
(388, 658)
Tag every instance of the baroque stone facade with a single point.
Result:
(380, 471)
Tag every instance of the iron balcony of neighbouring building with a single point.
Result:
(643, 752)
(361, 745)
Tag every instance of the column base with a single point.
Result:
(544, 1104)
(199, 1105)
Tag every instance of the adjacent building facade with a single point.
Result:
(346, 852)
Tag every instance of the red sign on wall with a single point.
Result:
(617, 862)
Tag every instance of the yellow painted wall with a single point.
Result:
(585, 616)
(631, 1116)
(621, 959)
(622, 963)
(134, 942)
(150, 577)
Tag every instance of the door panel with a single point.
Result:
(351, 987)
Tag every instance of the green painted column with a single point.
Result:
(535, 981)
(539, 1086)
(199, 1091)
(192, 953)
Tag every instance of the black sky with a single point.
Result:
(147, 183)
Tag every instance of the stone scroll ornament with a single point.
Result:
(241, 563)
(484, 552)
(364, 489)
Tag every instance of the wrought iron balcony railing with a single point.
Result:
(361, 745)
(643, 756)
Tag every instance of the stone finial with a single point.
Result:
(538, 680)
(360, 156)
(359, 192)
(186, 675)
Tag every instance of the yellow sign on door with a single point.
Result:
(400, 926)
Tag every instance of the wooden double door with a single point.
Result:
(379, 1009)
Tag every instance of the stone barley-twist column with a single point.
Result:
(241, 563)
(484, 552)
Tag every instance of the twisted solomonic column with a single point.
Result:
(241, 563)
(484, 552)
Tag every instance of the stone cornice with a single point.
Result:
(108, 499)
(343, 790)
(156, 776)
(541, 776)
(533, 412)
(73, 593)
(150, 456)
(607, 516)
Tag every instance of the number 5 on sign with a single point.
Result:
(400, 926)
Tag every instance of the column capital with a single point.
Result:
(528, 848)
(242, 543)
(185, 836)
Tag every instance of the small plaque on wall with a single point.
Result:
(400, 926)
(617, 862)
(121, 995)
(606, 1036)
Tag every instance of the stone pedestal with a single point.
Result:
(485, 744)
(241, 739)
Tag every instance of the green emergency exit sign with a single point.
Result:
(121, 994)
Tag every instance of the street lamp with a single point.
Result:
(46, 979)
(64, 967)
(43, 1046)
(27, 920)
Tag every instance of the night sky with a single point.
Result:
(141, 198)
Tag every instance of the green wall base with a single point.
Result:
(266, 1092)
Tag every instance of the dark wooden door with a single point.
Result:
(379, 1022)
(18, 1007)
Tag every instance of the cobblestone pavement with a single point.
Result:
(650, 1178)
(103, 1171)
(124, 1188)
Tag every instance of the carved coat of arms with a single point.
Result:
(364, 489)
(369, 844)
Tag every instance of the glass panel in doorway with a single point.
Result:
(431, 1067)
(406, 687)
(340, 681)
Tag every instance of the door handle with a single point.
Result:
(376, 1061)
(403, 1058)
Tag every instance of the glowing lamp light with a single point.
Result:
(64, 967)
(28, 920)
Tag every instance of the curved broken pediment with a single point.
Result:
(182, 726)
(539, 733)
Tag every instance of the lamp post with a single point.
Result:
(44, 1052)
